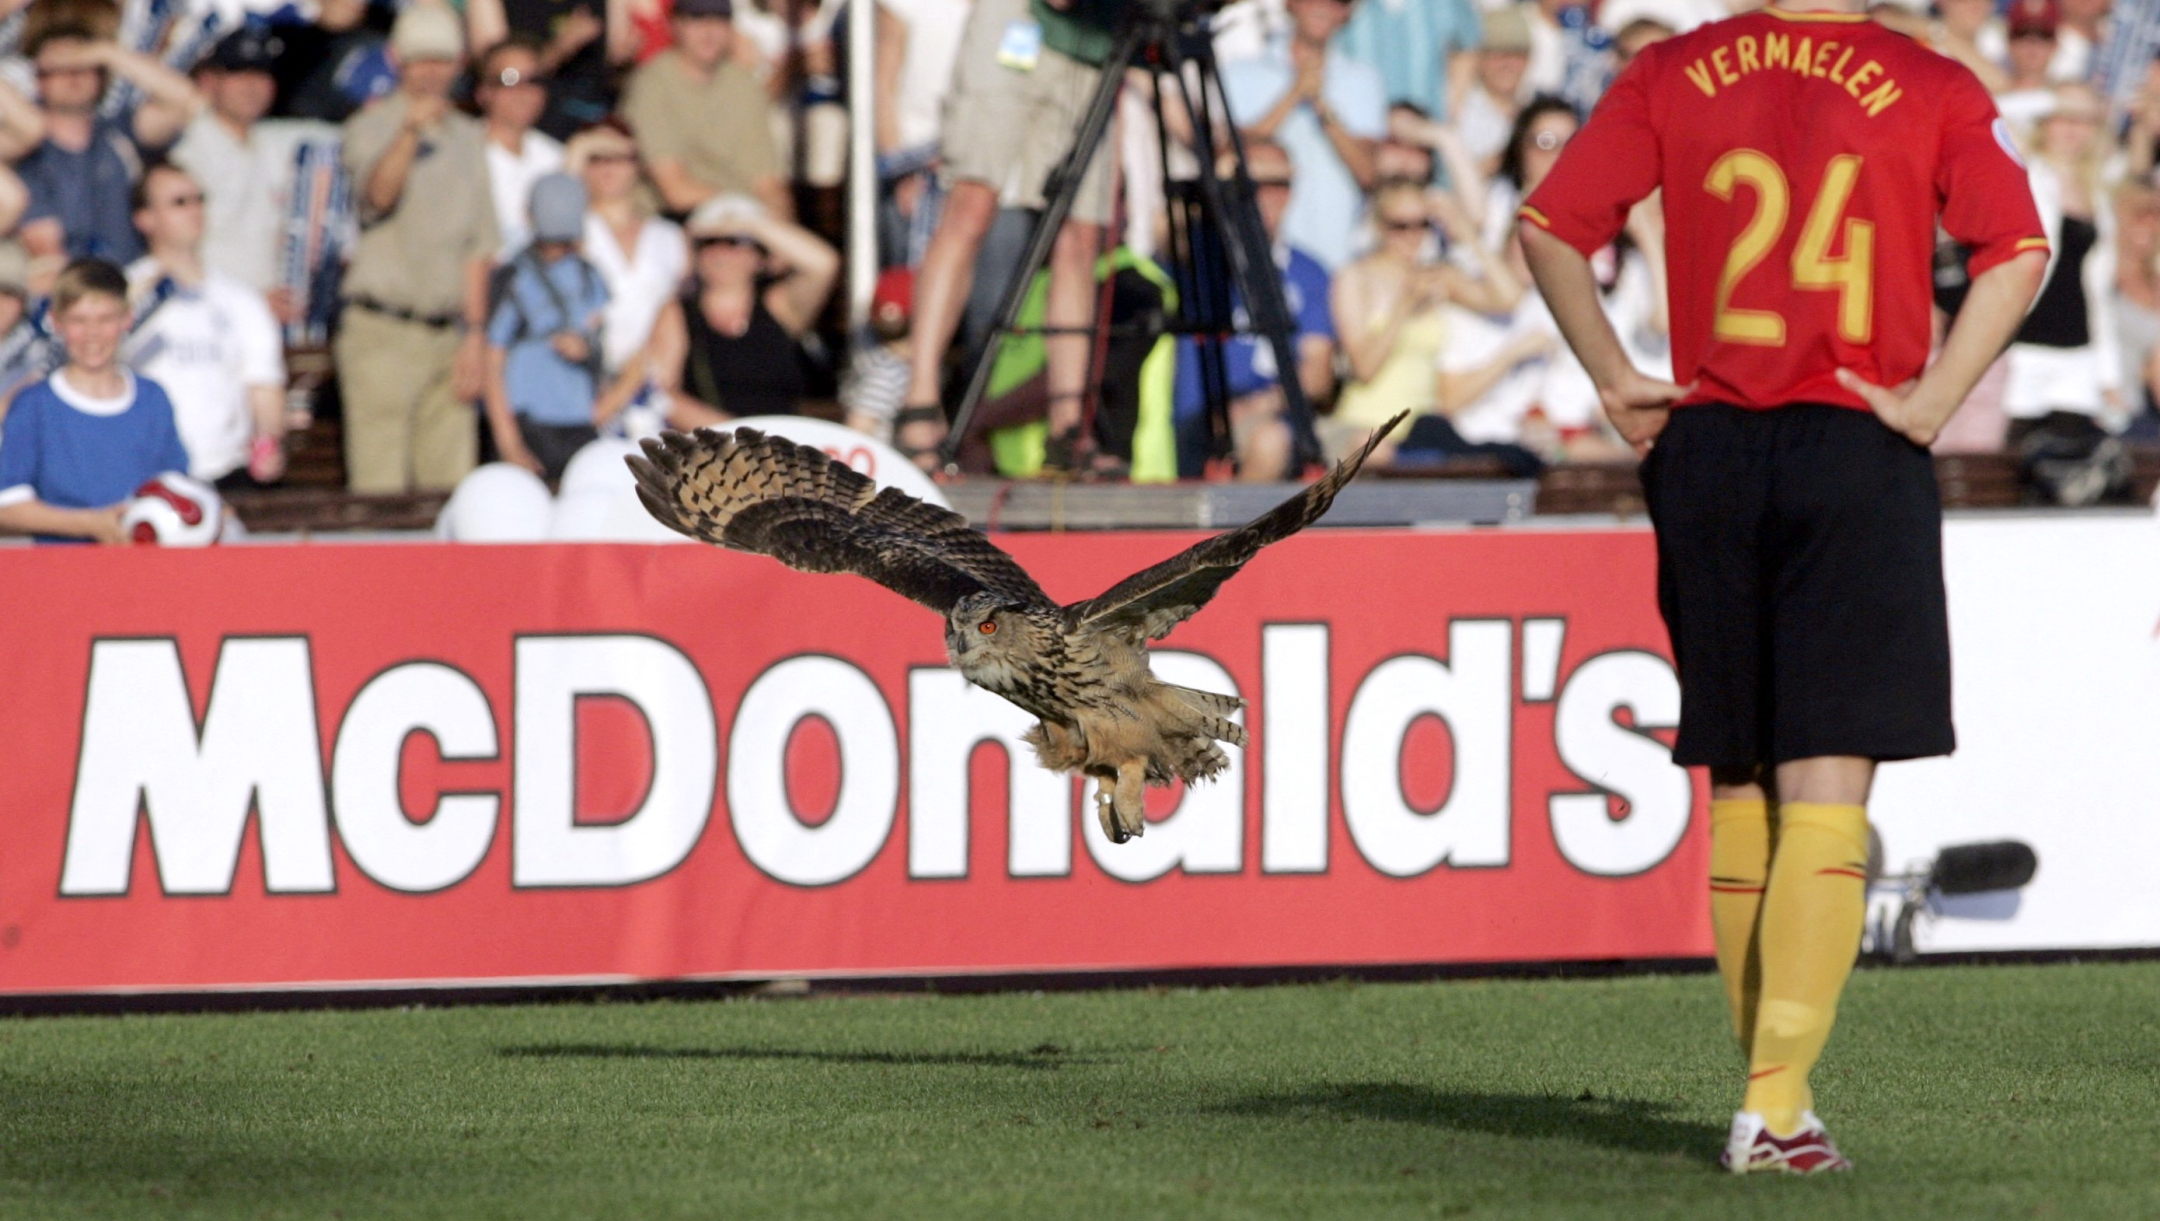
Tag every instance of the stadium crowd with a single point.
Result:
(520, 224)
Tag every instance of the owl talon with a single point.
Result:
(1106, 813)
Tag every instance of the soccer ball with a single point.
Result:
(173, 510)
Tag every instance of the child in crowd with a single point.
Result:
(877, 377)
(543, 366)
(76, 445)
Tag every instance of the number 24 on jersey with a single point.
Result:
(1849, 275)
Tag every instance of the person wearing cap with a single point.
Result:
(207, 338)
(1492, 95)
(543, 338)
(2064, 392)
(512, 91)
(702, 119)
(2028, 93)
(410, 349)
(243, 161)
(80, 174)
(728, 346)
(876, 382)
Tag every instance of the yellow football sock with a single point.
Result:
(1811, 917)
(1739, 867)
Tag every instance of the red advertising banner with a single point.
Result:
(359, 765)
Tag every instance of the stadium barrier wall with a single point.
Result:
(363, 766)
(351, 765)
(2055, 639)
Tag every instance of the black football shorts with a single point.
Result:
(1800, 575)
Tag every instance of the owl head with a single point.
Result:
(983, 631)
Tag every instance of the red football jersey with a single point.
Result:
(1805, 160)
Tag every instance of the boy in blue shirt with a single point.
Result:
(75, 446)
(543, 366)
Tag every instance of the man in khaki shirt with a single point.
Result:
(701, 119)
(410, 346)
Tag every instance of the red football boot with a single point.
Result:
(1751, 1149)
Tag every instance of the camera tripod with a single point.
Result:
(1214, 227)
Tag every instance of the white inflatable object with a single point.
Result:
(599, 501)
(497, 503)
(173, 510)
(867, 454)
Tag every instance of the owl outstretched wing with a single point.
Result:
(1147, 604)
(753, 492)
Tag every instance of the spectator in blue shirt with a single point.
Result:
(1329, 111)
(80, 176)
(1418, 46)
(543, 366)
(77, 445)
(1259, 433)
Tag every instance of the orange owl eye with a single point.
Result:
(989, 627)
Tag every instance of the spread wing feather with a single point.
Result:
(1147, 604)
(753, 492)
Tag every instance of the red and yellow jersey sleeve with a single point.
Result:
(1987, 203)
(1609, 166)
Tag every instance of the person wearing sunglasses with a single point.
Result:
(1260, 436)
(205, 337)
(1388, 309)
(80, 175)
(728, 346)
(513, 93)
(641, 257)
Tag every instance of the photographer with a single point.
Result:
(1026, 71)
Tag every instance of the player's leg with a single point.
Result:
(1704, 487)
(1859, 672)
(1740, 818)
(1812, 912)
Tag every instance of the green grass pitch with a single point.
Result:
(1968, 1093)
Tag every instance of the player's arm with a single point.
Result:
(1988, 209)
(1992, 313)
(1637, 403)
(1609, 167)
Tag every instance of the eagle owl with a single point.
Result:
(1081, 669)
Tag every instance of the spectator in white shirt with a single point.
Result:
(641, 258)
(512, 95)
(205, 337)
(243, 161)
